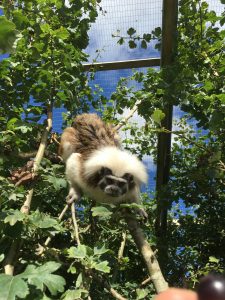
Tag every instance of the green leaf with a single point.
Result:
(144, 44)
(208, 86)
(58, 183)
(131, 205)
(2, 256)
(121, 41)
(61, 33)
(20, 19)
(213, 259)
(72, 270)
(77, 252)
(216, 119)
(14, 217)
(42, 276)
(147, 37)
(45, 28)
(103, 267)
(141, 293)
(7, 34)
(74, 294)
(132, 44)
(41, 220)
(157, 32)
(131, 31)
(12, 287)
(221, 97)
(11, 122)
(100, 251)
(100, 211)
(79, 280)
(158, 116)
(24, 128)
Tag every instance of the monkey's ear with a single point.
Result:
(105, 171)
(129, 177)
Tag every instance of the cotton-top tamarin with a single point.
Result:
(97, 166)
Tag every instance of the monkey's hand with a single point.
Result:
(142, 213)
(74, 195)
(136, 209)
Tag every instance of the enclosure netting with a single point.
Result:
(115, 18)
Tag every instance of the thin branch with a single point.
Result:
(41, 249)
(43, 144)
(122, 246)
(120, 255)
(148, 255)
(51, 156)
(146, 281)
(115, 294)
(11, 256)
(16, 244)
(125, 119)
(108, 287)
(76, 231)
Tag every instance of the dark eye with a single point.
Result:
(128, 177)
(109, 181)
(105, 171)
(121, 184)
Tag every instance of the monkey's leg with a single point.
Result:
(73, 195)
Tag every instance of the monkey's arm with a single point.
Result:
(73, 165)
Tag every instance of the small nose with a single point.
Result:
(112, 190)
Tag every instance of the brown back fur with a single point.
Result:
(88, 133)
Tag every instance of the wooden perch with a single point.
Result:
(147, 253)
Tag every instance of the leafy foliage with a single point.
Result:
(17, 286)
(195, 193)
(46, 41)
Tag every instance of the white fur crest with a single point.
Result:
(119, 161)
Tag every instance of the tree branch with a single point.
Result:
(147, 280)
(125, 119)
(41, 248)
(122, 246)
(120, 255)
(147, 254)
(16, 244)
(112, 291)
(76, 231)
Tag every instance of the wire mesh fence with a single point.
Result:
(115, 18)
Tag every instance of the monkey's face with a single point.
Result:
(114, 186)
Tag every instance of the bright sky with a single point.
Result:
(143, 15)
